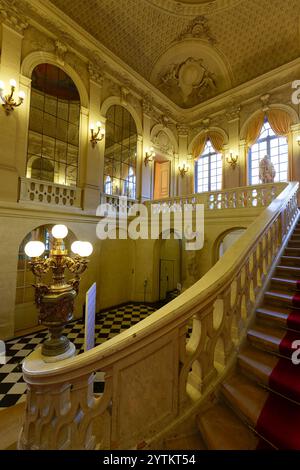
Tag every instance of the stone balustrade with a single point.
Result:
(234, 198)
(43, 192)
(156, 375)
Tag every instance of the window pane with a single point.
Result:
(53, 124)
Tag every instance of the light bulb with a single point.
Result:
(92, 126)
(2, 86)
(13, 83)
(59, 231)
(21, 95)
(98, 124)
(34, 249)
(75, 247)
(84, 249)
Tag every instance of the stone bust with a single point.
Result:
(267, 171)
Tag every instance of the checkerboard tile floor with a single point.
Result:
(108, 324)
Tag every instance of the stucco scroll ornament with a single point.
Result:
(267, 171)
(191, 77)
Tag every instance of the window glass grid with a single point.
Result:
(53, 138)
(208, 171)
(120, 152)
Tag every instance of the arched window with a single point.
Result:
(268, 143)
(108, 185)
(208, 170)
(129, 189)
(53, 138)
(120, 151)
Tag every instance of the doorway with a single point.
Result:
(169, 267)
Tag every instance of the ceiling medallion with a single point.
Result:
(192, 7)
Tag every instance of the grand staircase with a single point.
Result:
(259, 403)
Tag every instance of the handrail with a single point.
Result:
(243, 196)
(156, 347)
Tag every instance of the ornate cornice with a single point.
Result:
(61, 50)
(10, 16)
(96, 73)
(182, 130)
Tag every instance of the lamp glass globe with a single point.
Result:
(34, 249)
(75, 247)
(59, 231)
(85, 249)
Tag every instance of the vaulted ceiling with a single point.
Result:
(246, 37)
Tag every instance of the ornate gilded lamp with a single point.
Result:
(56, 299)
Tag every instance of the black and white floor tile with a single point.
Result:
(108, 324)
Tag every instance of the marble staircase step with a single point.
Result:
(257, 364)
(245, 397)
(221, 429)
(290, 261)
(272, 315)
(284, 283)
(288, 271)
(266, 337)
(279, 298)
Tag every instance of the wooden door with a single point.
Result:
(161, 180)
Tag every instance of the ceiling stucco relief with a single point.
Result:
(191, 72)
(254, 37)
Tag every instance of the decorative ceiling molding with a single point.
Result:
(9, 15)
(197, 28)
(192, 7)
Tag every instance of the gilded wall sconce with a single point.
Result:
(183, 169)
(8, 99)
(232, 160)
(96, 135)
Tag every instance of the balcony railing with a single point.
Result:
(44, 192)
(242, 197)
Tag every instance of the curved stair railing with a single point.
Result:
(153, 374)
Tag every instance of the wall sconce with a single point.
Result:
(298, 139)
(183, 169)
(149, 155)
(232, 160)
(8, 99)
(96, 136)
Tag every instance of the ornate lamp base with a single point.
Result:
(56, 310)
(71, 351)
